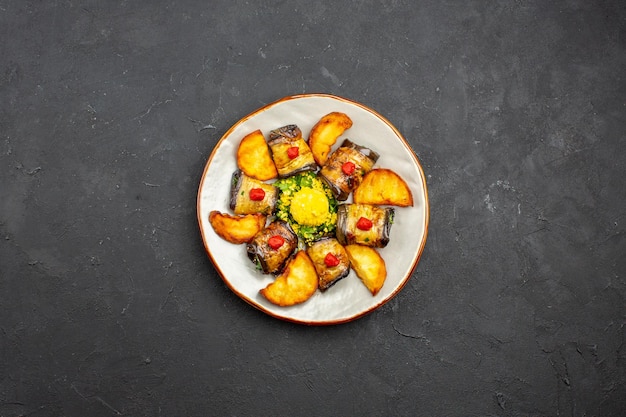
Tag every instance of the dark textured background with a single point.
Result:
(110, 306)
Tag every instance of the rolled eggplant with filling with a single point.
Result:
(271, 247)
(330, 260)
(346, 166)
(364, 224)
(290, 152)
(249, 195)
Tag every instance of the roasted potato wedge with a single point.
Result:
(383, 186)
(236, 229)
(254, 158)
(296, 284)
(368, 265)
(325, 133)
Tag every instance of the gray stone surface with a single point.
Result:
(110, 306)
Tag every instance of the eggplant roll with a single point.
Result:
(343, 181)
(246, 197)
(264, 253)
(290, 152)
(332, 269)
(350, 229)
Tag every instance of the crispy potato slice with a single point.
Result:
(254, 159)
(368, 265)
(296, 284)
(383, 186)
(237, 229)
(325, 133)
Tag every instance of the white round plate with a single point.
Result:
(348, 299)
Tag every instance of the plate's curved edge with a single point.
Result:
(419, 252)
(226, 134)
(417, 255)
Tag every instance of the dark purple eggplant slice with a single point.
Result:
(267, 259)
(332, 172)
(328, 275)
(240, 201)
(280, 141)
(349, 233)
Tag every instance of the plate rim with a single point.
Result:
(328, 322)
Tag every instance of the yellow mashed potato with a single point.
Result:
(309, 206)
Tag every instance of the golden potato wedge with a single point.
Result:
(296, 284)
(368, 265)
(236, 229)
(383, 186)
(254, 159)
(325, 133)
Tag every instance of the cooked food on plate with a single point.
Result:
(308, 205)
(249, 195)
(271, 247)
(346, 167)
(364, 224)
(291, 207)
(296, 284)
(383, 186)
(236, 229)
(290, 152)
(253, 157)
(325, 133)
(330, 260)
(368, 265)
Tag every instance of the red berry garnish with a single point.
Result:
(293, 152)
(364, 224)
(257, 194)
(331, 260)
(348, 168)
(276, 241)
